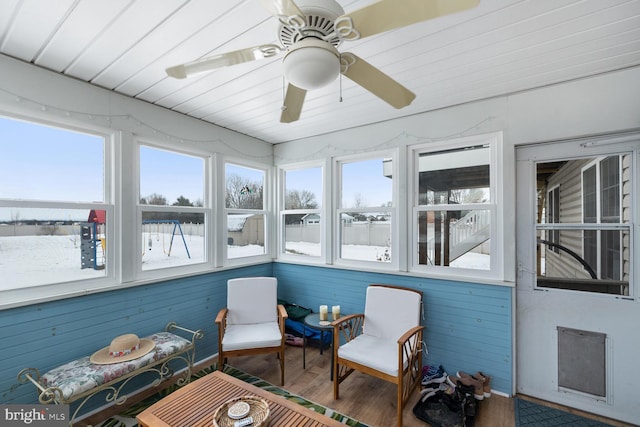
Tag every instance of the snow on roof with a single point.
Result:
(236, 222)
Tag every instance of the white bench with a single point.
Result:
(81, 379)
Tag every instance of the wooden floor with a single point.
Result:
(367, 399)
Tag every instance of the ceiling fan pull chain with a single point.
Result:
(340, 80)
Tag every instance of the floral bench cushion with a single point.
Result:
(79, 376)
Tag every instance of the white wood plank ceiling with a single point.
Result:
(496, 48)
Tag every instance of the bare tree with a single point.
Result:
(15, 218)
(359, 200)
(242, 193)
(300, 199)
(154, 199)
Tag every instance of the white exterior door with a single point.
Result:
(577, 305)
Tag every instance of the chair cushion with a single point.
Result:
(380, 354)
(81, 375)
(257, 335)
(252, 300)
(390, 312)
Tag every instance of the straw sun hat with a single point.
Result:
(122, 349)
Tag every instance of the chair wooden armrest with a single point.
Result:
(347, 327)
(249, 325)
(222, 315)
(346, 318)
(411, 332)
(397, 341)
(282, 316)
(282, 312)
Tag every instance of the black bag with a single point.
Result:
(451, 408)
(294, 311)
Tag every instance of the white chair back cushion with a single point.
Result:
(390, 312)
(252, 300)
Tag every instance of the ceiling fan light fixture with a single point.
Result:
(311, 64)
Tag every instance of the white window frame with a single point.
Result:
(322, 211)
(46, 292)
(556, 209)
(496, 208)
(597, 163)
(396, 252)
(265, 211)
(206, 210)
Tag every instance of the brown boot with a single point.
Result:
(467, 379)
(486, 380)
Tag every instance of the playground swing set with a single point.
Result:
(176, 227)
(93, 244)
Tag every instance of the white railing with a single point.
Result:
(468, 226)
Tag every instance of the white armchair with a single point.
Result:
(385, 341)
(252, 322)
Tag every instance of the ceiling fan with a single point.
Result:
(311, 31)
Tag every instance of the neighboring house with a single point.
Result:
(588, 191)
(311, 219)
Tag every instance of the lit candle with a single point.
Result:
(323, 312)
(335, 311)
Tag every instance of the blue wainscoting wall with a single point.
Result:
(468, 325)
(50, 334)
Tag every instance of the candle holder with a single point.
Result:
(335, 312)
(324, 312)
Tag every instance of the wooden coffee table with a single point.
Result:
(194, 404)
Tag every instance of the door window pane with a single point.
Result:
(592, 251)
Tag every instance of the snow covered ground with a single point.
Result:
(37, 260)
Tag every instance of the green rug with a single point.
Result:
(127, 418)
(529, 414)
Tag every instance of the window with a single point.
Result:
(172, 208)
(54, 205)
(366, 210)
(301, 218)
(245, 211)
(553, 217)
(454, 208)
(601, 183)
(593, 230)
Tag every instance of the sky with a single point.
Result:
(363, 179)
(35, 157)
(41, 162)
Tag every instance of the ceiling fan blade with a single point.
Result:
(223, 60)
(375, 81)
(386, 15)
(292, 104)
(284, 10)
